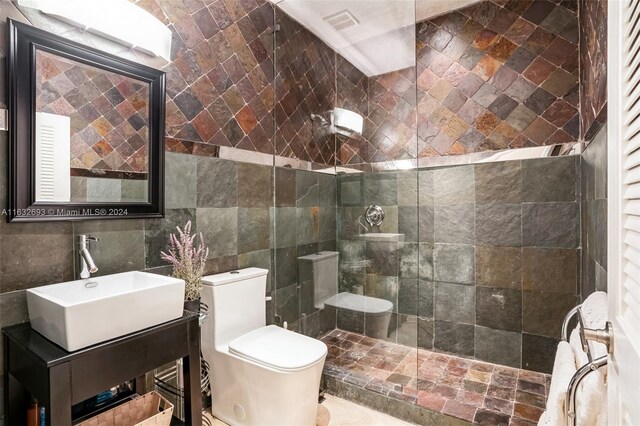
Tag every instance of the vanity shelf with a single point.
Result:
(59, 379)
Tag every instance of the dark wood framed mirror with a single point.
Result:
(86, 131)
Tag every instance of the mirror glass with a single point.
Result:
(91, 133)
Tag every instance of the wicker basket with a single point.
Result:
(150, 409)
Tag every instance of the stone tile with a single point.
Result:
(286, 266)
(520, 89)
(104, 190)
(502, 106)
(550, 225)
(454, 185)
(285, 187)
(539, 100)
(550, 270)
(542, 313)
(121, 245)
(499, 267)
(416, 260)
(408, 188)
(41, 253)
(538, 352)
(499, 225)
(383, 287)
(470, 111)
(498, 183)
(327, 190)
(254, 185)
(217, 182)
(454, 338)
(521, 117)
(307, 189)
(156, 233)
(384, 258)
(454, 263)
(455, 303)
(307, 225)
(381, 189)
(455, 224)
(254, 229)
(486, 95)
(490, 418)
(285, 233)
(425, 332)
(547, 180)
(499, 309)
(286, 302)
(498, 346)
(220, 228)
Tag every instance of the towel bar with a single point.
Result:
(592, 365)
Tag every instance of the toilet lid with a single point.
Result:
(278, 348)
(360, 303)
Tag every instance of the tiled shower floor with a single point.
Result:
(470, 390)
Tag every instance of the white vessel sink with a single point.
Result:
(77, 314)
(382, 237)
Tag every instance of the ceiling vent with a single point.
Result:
(341, 20)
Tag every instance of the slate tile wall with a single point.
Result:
(494, 267)
(593, 67)
(594, 215)
(494, 75)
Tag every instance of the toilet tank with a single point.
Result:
(236, 302)
(321, 271)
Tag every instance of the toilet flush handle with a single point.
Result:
(268, 299)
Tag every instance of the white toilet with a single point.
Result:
(321, 270)
(260, 375)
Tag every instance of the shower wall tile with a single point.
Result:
(454, 185)
(560, 272)
(538, 352)
(550, 180)
(499, 309)
(542, 312)
(453, 337)
(455, 303)
(499, 224)
(454, 263)
(499, 267)
(499, 183)
(455, 224)
(594, 215)
(498, 346)
(550, 225)
(490, 281)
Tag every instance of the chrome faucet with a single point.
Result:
(87, 265)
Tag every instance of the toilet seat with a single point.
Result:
(360, 303)
(278, 348)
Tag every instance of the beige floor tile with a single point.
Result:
(339, 412)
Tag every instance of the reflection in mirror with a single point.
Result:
(92, 133)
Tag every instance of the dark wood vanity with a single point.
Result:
(59, 379)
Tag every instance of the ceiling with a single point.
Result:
(376, 36)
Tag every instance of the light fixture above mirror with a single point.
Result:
(117, 20)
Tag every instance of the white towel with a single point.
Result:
(595, 314)
(589, 396)
(564, 368)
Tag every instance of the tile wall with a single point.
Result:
(491, 259)
(494, 75)
(593, 80)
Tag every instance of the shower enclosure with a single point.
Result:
(398, 233)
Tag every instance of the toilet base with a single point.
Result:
(245, 393)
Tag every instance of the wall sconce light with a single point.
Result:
(346, 120)
(116, 20)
